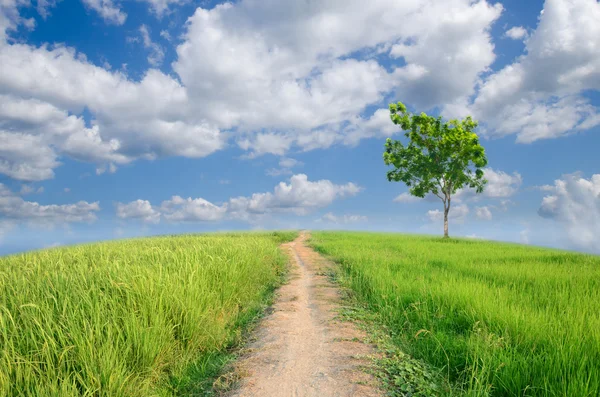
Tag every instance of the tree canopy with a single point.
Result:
(439, 157)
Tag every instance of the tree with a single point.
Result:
(439, 158)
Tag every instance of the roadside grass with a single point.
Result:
(400, 374)
(495, 319)
(142, 317)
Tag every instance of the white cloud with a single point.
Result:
(301, 85)
(300, 197)
(483, 213)
(331, 218)
(132, 120)
(108, 10)
(43, 7)
(575, 203)
(14, 209)
(545, 188)
(157, 54)
(286, 164)
(138, 209)
(111, 168)
(539, 96)
(160, 7)
(5, 191)
(179, 209)
(165, 35)
(516, 33)
(281, 76)
(24, 157)
(290, 91)
(458, 214)
(10, 17)
(26, 189)
(445, 58)
(406, 198)
(500, 185)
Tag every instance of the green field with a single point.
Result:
(496, 319)
(142, 317)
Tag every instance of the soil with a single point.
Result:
(302, 348)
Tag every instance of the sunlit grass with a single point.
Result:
(129, 318)
(499, 319)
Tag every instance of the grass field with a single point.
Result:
(142, 317)
(496, 319)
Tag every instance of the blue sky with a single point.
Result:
(131, 118)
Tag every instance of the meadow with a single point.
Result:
(140, 317)
(496, 319)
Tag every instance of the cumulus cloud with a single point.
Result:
(178, 209)
(300, 196)
(10, 17)
(274, 76)
(462, 51)
(132, 120)
(303, 86)
(138, 209)
(575, 204)
(539, 96)
(516, 33)
(15, 209)
(297, 87)
(500, 185)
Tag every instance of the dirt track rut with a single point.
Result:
(301, 349)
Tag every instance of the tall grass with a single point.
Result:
(128, 318)
(499, 319)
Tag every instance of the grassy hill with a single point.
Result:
(497, 319)
(156, 316)
(141, 317)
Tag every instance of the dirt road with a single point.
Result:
(301, 349)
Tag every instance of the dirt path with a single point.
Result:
(301, 349)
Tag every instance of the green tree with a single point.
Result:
(439, 158)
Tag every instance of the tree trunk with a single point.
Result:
(446, 210)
